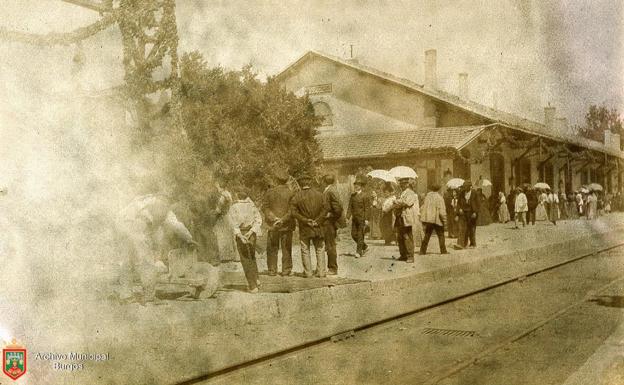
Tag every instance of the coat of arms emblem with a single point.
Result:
(14, 360)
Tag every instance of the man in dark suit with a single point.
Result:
(276, 210)
(359, 211)
(310, 209)
(468, 212)
(531, 196)
(330, 227)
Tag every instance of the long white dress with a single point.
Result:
(540, 210)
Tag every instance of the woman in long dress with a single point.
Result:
(484, 218)
(450, 199)
(386, 223)
(375, 222)
(563, 206)
(592, 204)
(503, 211)
(540, 211)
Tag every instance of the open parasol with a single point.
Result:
(383, 175)
(485, 183)
(401, 172)
(595, 187)
(542, 185)
(455, 183)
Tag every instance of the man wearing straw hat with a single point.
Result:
(407, 212)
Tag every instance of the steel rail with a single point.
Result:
(300, 347)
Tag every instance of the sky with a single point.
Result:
(520, 54)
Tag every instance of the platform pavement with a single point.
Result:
(380, 262)
(207, 335)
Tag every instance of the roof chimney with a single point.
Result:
(549, 116)
(562, 125)
(463, 85)
(431, 75)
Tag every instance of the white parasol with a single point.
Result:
(595, 187)
(455, 183)
(383, 175)
(542, 185)
(401, 172)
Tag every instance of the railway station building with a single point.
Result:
(374, 119)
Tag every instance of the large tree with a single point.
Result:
(598, 119)
(239, 130)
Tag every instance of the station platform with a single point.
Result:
(202, 336)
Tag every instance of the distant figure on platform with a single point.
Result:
(375, 218)
(281, 225)
(503, 213)
(387, 217)
(359, 211)
(332, 220)
(579, 203)
(540, 211)
(468, 213)
(511, 200)
(451, 202)
(407, 212)
(521, 208)
(552, 203)
(433, 218)
(483, 218)
(563, 206)
(592, 205)
(532, 202)
(310, 209)
(246, 222)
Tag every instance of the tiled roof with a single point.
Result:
(511, 120)
(370, 145)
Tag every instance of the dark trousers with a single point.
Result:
(247, 252)
(329, 233)
(358, 227)
(470, 233)
(275, 239)
(405, 239)
(531, 216)
(429, 229)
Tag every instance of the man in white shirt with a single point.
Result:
(246, 222)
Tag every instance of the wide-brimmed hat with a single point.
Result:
(281, 176)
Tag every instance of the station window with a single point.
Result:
(322, 110)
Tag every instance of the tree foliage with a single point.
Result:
(598, 119)
(239, 131)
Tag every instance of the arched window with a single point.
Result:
(322, 110)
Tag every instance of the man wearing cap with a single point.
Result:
(468, 212)
(407, 212)
(276, 209)
(359, 211)
(309, 207)
(332, 219)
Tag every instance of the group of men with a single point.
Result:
(318, 213)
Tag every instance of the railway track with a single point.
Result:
(335, 337)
